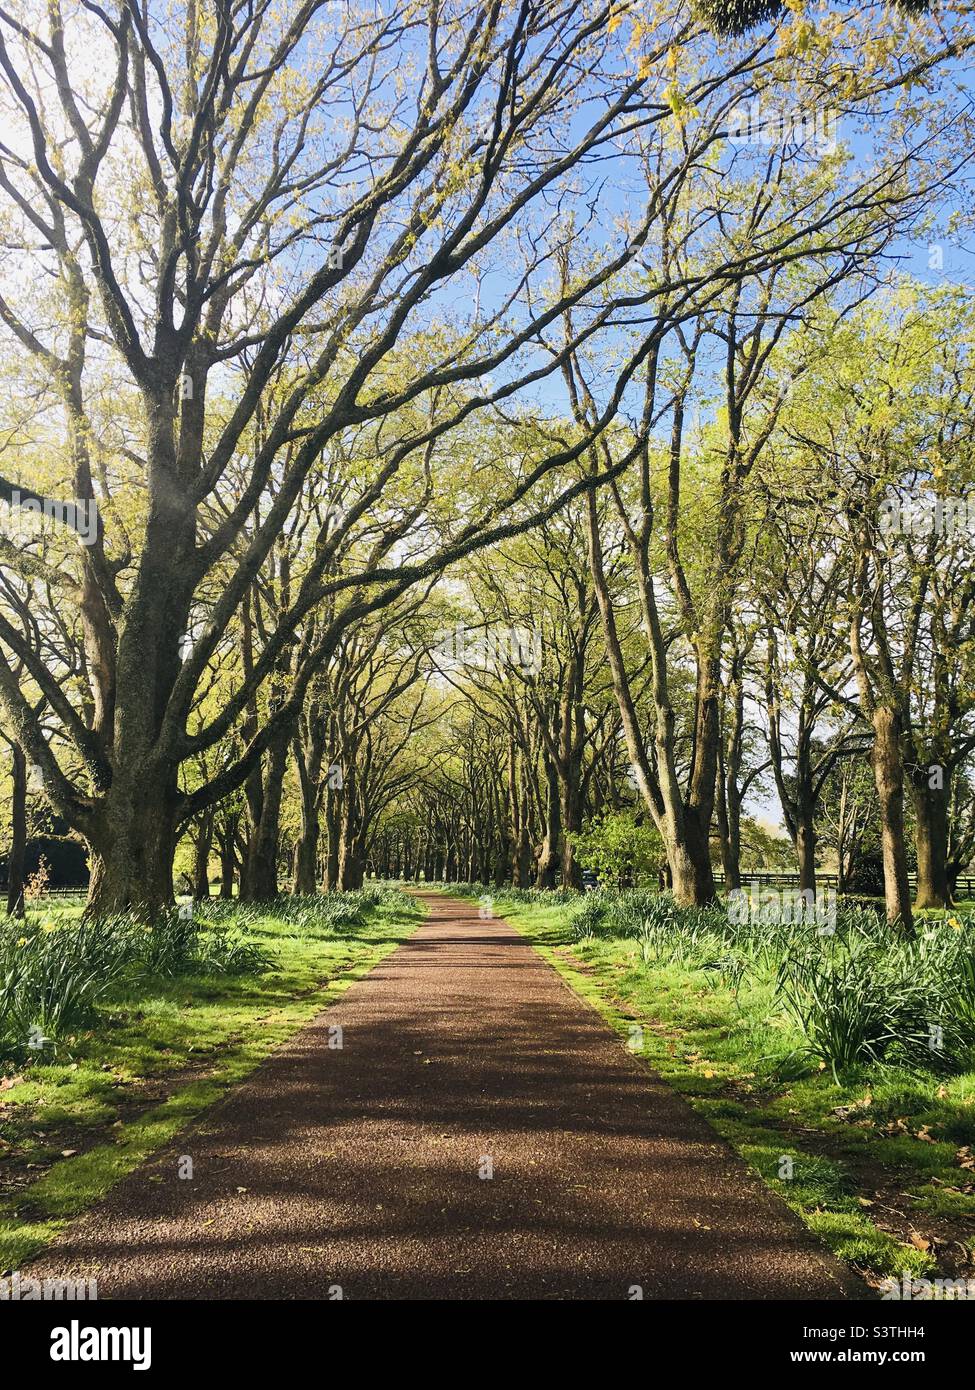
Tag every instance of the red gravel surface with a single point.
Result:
(360, 1171)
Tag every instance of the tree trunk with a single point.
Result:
(728, 791)
(690, 866)
(888, 771)
(805, 844)
(730, 845)
(133, 847)
(228, 863)
(306, 859)
(306, 853)
(548, 854)
(133, 831)
(333, 813)
(684, 822)
(201, 856)
(351, 865)
(931, 838)
(17, 858)
(571, 822)
(351, 846)
(261, 875)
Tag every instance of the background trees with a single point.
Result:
(329, 333)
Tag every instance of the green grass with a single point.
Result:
(861, 1178)
(157, 1053)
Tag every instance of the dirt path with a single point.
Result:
(358, 1167)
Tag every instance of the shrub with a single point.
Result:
(618, 844)
(590, 917)
(867, 878)
(54, 970)
(52, 975)
(860, 1001)
(168, 946)
(508, 894)
(857, 992)
(224, 951)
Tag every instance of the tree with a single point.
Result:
(620, 846)
(244, 269)
(284, 287)
(890, 437)
(740, 16)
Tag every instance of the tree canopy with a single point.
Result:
(435, 431)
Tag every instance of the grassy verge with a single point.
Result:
(878, 1162)
(159, 1051)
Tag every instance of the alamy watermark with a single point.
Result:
(30, 516)
(752, 123)
(926, 516)
(913, 1289)
(77, 1343)
(492, 648)
(784, 907)
(17, 1288)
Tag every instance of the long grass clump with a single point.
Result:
(855, 990)
(55, 969)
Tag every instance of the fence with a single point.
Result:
(964, 887)
(80, 892)
(772, 878)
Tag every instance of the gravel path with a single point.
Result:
(358, 1168)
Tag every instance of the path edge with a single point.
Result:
(576, 982)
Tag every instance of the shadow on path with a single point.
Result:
(359, 1167)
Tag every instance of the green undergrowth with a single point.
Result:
(873, 1148)
(127, 1066)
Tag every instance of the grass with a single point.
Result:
(876, 1157)
(158, 1049)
